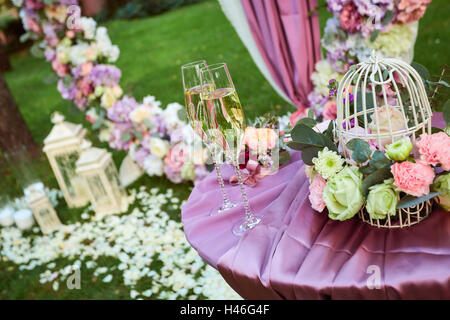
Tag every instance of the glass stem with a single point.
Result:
(226, 202)
(248, 212)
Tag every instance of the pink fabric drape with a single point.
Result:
(289, 42)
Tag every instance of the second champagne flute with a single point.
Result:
(227, 125)
(198, 120)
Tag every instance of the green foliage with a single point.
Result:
(446, 112)
(361, 150)
(374, 178)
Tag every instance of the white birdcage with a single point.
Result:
(63, 148)
(380, 101)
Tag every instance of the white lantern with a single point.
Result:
(63, 148)
(97, 167)
(24, 219)
(389, 103)
(43, 211)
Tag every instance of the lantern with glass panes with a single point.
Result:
(381, 101)
(63, 147)
(42, 209)
(97, 168)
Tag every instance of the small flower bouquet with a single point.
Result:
(264, 149)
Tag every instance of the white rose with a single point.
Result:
(151, 100)
(171, 115)
(159, 147)
(141, 113)
(153, 165)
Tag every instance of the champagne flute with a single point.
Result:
(198, 120)
(227, 123)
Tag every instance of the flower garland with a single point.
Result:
(356, 29)
(81, 54)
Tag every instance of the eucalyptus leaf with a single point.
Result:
(374, 178)
(387, 17)
(138, 134)
(310, 122)
(361, 150)
(374, 35)
(379, 160)
(309, 153)
(97, 124)
(366, 170)
(306, 135)
(311, 114)
(421, 70)
(446, 112)
(410, 201)
(182, 115)
(295, 145)
(147, 123)
(125, 137)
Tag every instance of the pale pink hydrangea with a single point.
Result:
(413, 178)
(411, 10)
(316, 191)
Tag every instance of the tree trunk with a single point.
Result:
(14, 132)
(5, 65)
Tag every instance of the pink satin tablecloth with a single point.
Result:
(297, 253)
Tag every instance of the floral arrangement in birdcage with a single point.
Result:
(356, 28)
(381, 157)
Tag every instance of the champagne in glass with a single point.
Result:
(198, 118)
(227, 122)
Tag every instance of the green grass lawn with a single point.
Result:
(152, 51)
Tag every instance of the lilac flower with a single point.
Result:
(50, 54)
(141, 155)
(120, 111)
(116, 140)
(106, 75)
(69, 92)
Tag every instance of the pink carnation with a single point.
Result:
(316, 191)
(435, 149)
(411, 10)
(413, 178)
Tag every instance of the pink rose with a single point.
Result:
(251, 137)
(70, 34)
(176, 157)
(435, 149)
(260, 139)
(60, 69)
(330, 110)
(411, 10)
(297, 115)
(315, 192)
(413, 178)
(85, 87)
(33, 25)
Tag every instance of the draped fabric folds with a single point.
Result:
(288, 40)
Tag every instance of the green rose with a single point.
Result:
(442, 184)
(187, 171)
(400, 149)
(382, 200)
(342, 194)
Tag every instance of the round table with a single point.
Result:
(297, 253)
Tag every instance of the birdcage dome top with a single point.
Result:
(381, 100)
